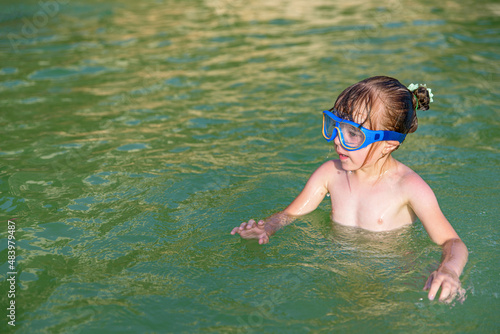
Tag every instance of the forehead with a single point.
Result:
(368, 114)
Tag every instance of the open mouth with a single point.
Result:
(343, 156)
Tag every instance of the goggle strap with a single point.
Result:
(391, 135)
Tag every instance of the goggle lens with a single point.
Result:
(329, 127)
(351, 137)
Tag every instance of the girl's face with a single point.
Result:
(362, 158)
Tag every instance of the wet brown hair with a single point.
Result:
(383, 103)
(398, 104)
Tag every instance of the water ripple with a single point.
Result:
(137, 134)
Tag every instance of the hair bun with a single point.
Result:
(423, 96)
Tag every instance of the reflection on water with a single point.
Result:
(136, 134)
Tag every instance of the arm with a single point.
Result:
(455, 253)
(308, 200)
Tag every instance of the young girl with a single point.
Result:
(368, 187)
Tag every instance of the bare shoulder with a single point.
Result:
(333, 166)
(424, 204)
(411, 183)
(329, 169)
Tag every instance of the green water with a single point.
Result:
(136, 134)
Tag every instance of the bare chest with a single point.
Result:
(379, 207)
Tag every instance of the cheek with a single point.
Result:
(360, 155)
(374, 151)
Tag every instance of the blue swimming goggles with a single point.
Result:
(353, 136)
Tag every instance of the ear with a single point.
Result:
(391, 146)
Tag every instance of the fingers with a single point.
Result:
(429, 282)
(242, 227)
(252, 230)
(248, 226)
(251, 224)
(264, 239)
(449, 287)
(433, 284)
(434, 287)
(238, 229)
(446, 292)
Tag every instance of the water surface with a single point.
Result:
(136, 134)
